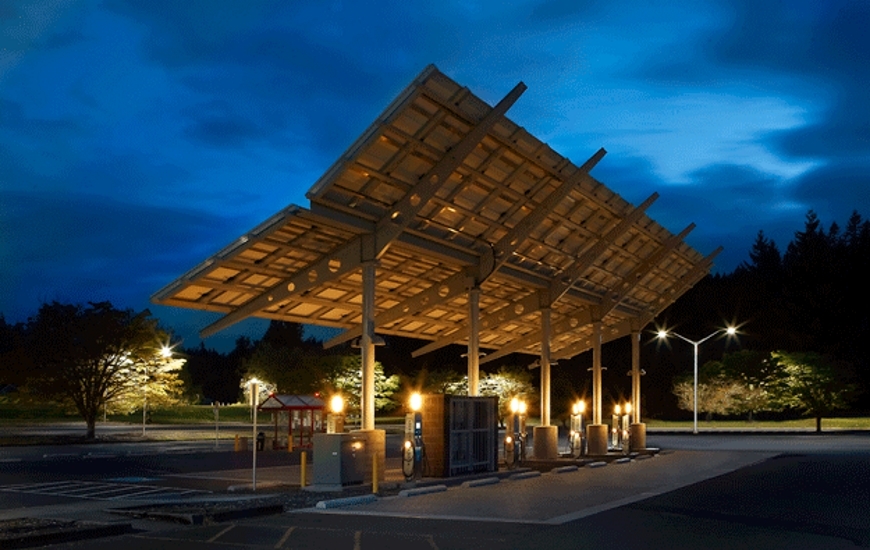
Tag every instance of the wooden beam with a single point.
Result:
(351, 255)
(667, 298)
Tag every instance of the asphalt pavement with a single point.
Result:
(707, 491)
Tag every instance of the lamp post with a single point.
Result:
(663, 334)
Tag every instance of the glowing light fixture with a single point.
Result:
(416, 401)
(336, 404)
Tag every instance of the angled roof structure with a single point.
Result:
(447, 194)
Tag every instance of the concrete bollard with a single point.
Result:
(597, 439)
(638, 436)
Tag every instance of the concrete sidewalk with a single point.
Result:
(564, 495)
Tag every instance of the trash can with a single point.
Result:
(261, 441)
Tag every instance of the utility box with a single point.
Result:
(460, 435)
(340, 459)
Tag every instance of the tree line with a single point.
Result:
(803, 321)
(801, 312)
(95, 358)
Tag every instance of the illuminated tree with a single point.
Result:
(758, 377)
(506, 383)
(716, 395)
(811, 383)
(150, 383)
(344, 375)
(86, 355)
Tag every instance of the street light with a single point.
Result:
(663, 334)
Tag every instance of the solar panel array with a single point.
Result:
(524, 224)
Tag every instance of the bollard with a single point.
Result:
(290, 443)
(236, 444)
(302, 469)
(375, 473)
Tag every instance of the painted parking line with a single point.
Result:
(92, 490)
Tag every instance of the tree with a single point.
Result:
(756, 375)
(446, 381)
(152, 382)
(15, 361)
(213, 376)
(810, 383)
(293, 370)
(343, 374)
(506, 383)
(86, 355)
(716, 395)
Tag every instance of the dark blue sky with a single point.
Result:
(139, 137)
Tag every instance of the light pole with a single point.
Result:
(663, 334)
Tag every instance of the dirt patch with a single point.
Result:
(216, 511)
(28, 532)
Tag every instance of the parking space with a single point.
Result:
(91, 490)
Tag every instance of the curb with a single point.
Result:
(525, 475)
(347, 501)
(422, 490)
(481, 482)
(564, 469)
(598, 464)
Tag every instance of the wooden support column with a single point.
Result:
(367, 346)
(596, 432)
(545, 366)
(637, 430)
(546, 437)
(596, 371)
(635, 376)
(474, 340)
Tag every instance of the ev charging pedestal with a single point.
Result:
(638, 436)
(597, 439)
(546, 442)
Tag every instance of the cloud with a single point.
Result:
(824, 45)
(836, 190)
(75, 247)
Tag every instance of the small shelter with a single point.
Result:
(302, 414)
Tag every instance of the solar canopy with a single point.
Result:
(446, 194)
